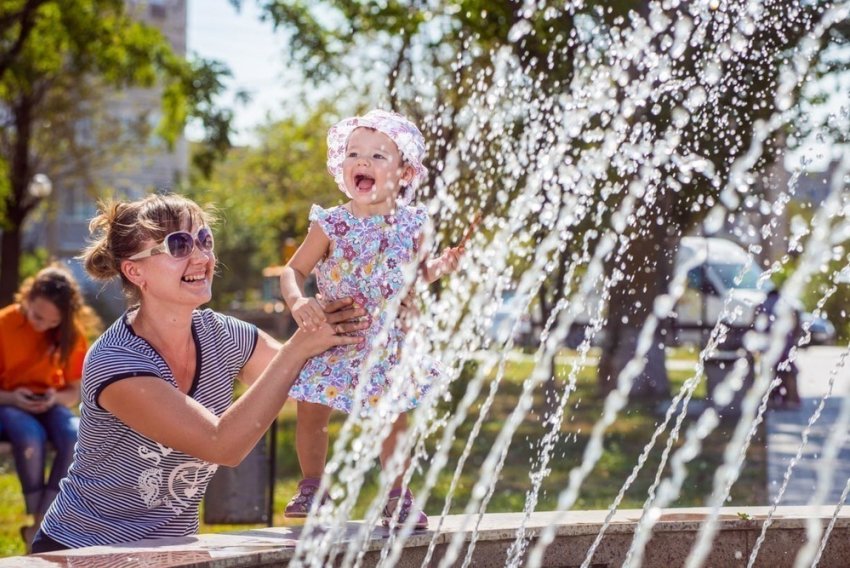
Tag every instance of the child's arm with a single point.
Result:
(307, 312)
(446, 263)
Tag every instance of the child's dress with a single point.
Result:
(367, 262)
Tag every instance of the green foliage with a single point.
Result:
(831, 297)
(12, 512)
(699, 102)
(54, 55)
(264, 195)
(32, 262)
(823, 291)
(192, 97)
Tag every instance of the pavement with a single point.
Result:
(785, 430)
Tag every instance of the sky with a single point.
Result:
(254, 53)
(256, 56)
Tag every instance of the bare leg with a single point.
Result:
(311, 438)
(388, 447)
(397, 498)
(28, 533)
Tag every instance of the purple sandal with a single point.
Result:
(408, 506)
(300, 504)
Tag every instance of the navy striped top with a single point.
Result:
(123, 486)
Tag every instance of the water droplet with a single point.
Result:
(519, 30)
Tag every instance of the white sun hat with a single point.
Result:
(404, 133)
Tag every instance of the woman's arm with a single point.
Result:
(155, 409)
(68, 396)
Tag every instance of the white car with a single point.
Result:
(512, 314)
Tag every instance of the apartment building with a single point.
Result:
(149, 166)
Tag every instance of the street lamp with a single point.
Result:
(40, 186)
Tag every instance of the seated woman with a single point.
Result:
(42, 346)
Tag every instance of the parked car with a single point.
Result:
(822, 330)
(722, 283)
(512, 310)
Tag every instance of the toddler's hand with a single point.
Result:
(449, 260)
(308, 314)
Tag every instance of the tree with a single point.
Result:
(685, 104)
(54, 51)
(16, 24)
(278, 180)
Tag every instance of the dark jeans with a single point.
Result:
(43, 543)
(29, 434)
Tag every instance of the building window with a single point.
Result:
(157, 8)
(81, 205)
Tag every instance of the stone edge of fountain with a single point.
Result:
(674, 532)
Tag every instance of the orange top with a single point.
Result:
(25, 359)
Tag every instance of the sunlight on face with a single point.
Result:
(42, 314)
(373, 166)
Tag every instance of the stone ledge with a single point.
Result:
(673, 536)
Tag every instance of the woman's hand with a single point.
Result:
(31, 402)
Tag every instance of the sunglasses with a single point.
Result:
(180, 244)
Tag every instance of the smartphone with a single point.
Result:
(35, 396)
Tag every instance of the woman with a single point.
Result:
(157, 412)
(42, 346)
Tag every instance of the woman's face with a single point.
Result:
(42, 314)
(180, 280)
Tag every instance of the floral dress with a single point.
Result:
(368, 261)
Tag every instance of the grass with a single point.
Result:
(623, 443)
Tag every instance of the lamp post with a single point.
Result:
(41, 187)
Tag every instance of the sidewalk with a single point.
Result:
(785, 430)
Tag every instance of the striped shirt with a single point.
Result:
(123, 486)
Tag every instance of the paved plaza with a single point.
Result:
(785, 431)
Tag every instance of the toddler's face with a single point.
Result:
(373, 169)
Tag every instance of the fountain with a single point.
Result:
(574, 178)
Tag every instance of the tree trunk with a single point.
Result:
(18, 203)
(550, 295)
(647, 265)
(10, 249)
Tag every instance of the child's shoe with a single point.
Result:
(300, 504)
(408, 507)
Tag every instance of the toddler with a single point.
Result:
(360, 250)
